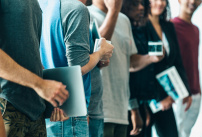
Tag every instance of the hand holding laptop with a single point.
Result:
(75, 105)
(58, 115)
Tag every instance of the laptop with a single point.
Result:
(75, 105)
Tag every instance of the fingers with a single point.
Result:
(55, 115)
(188, 104)
(63, 116)
(53, 102)
(52, 115)
(60, 96)
(166, 107)
(102, 64)
(64, 92)
(58, 114)
(187, 107)
(105, 63)
(135, 132)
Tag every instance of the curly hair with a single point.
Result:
(127, 3)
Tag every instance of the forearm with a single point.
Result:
(107, 27)
(12, 71)
(94, 59)
(138, 62)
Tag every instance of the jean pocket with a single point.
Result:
(54, 128)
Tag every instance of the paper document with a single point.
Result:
(172, 83)
(155, 106)
(95, 30)
(155, 48)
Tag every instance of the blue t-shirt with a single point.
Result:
(53, 48)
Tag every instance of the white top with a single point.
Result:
(116, 76)
(165, 43)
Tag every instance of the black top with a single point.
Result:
(20, 32)
(143, 84)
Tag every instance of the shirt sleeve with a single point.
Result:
(75, 22)
(133, 104)
(133, 48)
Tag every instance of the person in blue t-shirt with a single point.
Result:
(65, 42)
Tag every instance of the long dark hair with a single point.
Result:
(166, 15)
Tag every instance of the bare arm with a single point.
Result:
(107, 27)
(138, 62)
(51, 91)
(105, 52)
(137, 122)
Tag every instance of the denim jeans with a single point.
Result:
(73, 127)
(96, 127)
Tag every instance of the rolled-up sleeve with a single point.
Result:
(75, 24)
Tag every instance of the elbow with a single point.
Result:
(83, 70)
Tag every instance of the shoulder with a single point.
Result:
(123, 17)
(75, 7)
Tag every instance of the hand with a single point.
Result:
(187, 100)
(137, 122)
(106, 49)
(155, 59)
(167, 103)
(102, 64)
(52, 91)
(113, 5)
(58, 115)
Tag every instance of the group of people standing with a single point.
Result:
(43, 34)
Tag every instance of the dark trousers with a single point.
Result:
(164, 122)
(115, 130)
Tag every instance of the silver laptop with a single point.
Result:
(75, 105)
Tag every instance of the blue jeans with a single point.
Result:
(73, 127)
(96, 127)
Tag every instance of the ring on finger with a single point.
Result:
(140, 129)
